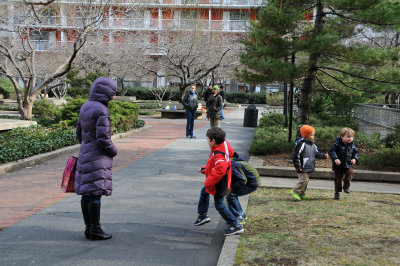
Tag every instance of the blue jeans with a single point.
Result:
(190, 116)
(219, 206)
(233, 202)
(91, 199)
(222, 112)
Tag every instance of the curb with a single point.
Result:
(40, 158)
(228, 252)
(323, 173)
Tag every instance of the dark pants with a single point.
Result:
(219, 206)
(91, 199)
(343, 178)
(233, 201)
(190, 116)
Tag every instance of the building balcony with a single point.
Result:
(176, 3)
(137, 24)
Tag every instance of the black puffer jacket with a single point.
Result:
(304, 155)
(344, 152)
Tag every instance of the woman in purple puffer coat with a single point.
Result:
(94, 168)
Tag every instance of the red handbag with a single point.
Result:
(68, 180)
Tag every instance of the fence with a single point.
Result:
(376, 118)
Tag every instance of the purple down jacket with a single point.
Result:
(94, 167)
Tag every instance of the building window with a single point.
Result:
(239, 15)
(189, 18)
(238, 20)
(40, 40)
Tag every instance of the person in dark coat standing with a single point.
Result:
(223, 96)
(190, 103)
(94, 168)
(214, 106)
(208, 93)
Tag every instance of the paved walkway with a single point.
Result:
(150, 214)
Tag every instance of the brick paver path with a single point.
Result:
(26, 191)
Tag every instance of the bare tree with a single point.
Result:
(21, 60)
(187, 57)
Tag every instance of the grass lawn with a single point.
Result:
(360, 229)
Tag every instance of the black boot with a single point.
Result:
(95, 231)
(85, 213)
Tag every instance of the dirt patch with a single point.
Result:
(285, 159)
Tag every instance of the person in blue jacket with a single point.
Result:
(344, 156)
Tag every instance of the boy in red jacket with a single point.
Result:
(218, 174)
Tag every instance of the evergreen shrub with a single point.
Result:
(46, 113)
(143, 93)
(70, 111)
(246, 97)
(393, 138)
(382, 159)
(25, 142)
(123, 116)
(271, 119)
(275, 99)
(7, 88)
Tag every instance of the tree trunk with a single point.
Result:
(309, 80)
(25, 109)
(181, 94)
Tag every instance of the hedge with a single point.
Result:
(25, 142)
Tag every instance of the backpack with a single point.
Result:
(221, 187)
(243, 173)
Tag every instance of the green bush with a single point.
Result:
(271, 140)
(143, 93)
(393, 138)
(139, 123)
(70, 111)
(246, 98)
(270, 137)
(275, 99)
(271, 119)
(25, 142)
(381, 159)
(6, 107)
(123, 116)
(7, 88)
(46, 113)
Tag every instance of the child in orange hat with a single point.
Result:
(304, 155)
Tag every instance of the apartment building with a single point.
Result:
(57, 25)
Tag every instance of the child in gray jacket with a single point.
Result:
(304, 155)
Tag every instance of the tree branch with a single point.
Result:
(359, 76)
(341, 82)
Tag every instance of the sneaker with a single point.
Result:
(192, 137)
(242, 218)
(303, 197)
(233, 230)
(346, 190)
(337, 196)
(296, 196)
(203, 219)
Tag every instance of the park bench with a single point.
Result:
(180, 112)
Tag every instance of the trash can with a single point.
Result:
(250, 116)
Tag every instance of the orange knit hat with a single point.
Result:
(306, 130)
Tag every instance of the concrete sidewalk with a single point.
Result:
(150, 214)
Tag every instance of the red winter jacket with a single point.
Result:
(217, 166)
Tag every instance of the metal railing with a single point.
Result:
(141, 24)
(376, 118)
